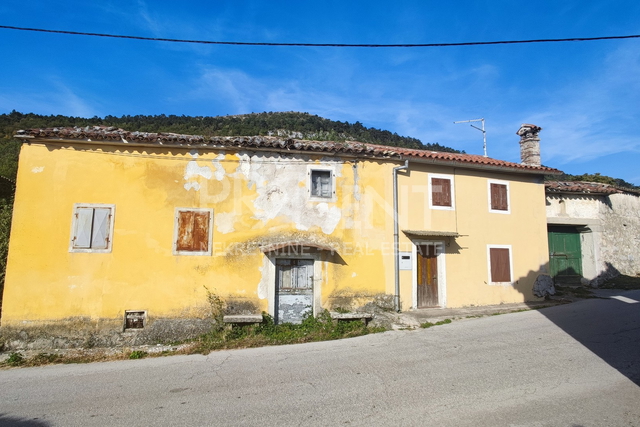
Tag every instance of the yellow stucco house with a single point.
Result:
(118, 232)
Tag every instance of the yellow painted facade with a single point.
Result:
(260, 200)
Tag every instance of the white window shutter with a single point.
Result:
(315, 184)
(325, 185)
(101, 228)
(84, 221)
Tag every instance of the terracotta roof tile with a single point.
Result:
(360, 149)
(584, 188)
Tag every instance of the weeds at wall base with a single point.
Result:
(320, 328)
(429, 324)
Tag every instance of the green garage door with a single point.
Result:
(565, 258)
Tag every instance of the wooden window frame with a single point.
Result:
(316, 198)
(508, 196)
(176, 232)
(490, 270)
(76, 223)
(433, 176)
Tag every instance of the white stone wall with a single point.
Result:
(574, 206)
(621, 233)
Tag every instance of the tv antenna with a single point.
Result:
(484, 132)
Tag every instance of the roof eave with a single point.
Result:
(495, 168)
(399, 158)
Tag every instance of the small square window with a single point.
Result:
(321, 184)
(92, 228)
(441, 192)
(134, 319)
(499, 197)
(193, 231)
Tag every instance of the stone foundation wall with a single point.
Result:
(86, 333)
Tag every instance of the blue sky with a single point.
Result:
(585, 95)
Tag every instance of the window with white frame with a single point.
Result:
(193, 231)
(92, 228)
(500, 264)
(499, 196)
(321, 184)
(441, 192)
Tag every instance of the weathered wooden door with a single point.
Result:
(427, 276)
(294, 290)
(565, 256)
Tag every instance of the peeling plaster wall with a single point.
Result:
(282, 189)
(574, 206)
(257, 199)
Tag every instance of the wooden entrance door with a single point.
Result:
(294, 290)
(565, 256)
(427, 276)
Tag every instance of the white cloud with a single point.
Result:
(595, 118)
(244, 93)
(61, 98)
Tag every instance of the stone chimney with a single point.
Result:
(529, 144)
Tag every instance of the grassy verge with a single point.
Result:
(19, 359)
(320, 328)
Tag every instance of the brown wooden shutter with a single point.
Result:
(440, 192)
(499, 201)
(185, 231)
(500, 265)
(201, 231)
(193, 231)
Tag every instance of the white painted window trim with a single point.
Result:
(489, 247)
(318, 266)
(495, 181)
(442, 272)
(331, 169)
(175, 250)
(74, 224)
(453, 199)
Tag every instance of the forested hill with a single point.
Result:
(288, 124)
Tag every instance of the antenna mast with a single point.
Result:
(484, 132)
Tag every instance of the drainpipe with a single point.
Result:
(396, 298)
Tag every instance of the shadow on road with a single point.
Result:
(8, 421)
(608, 327)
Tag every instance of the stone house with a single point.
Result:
(594, 231)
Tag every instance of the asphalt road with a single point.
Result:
(571, 365)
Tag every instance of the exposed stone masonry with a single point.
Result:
(529, 144)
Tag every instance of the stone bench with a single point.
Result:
(242, 319)
(349, 317)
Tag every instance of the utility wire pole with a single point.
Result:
(484, 132)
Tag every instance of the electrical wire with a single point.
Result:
(118, 36)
